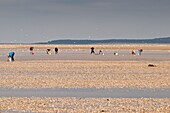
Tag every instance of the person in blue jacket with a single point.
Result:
(11, 56)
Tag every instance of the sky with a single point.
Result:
(29, 21)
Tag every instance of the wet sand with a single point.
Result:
(74, 67)
(96, 46)
(84, 74)
(84, 105)
(83, 54)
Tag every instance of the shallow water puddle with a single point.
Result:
(88, 92)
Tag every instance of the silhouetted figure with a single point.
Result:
(92, 50)
(11, 56)
(140, 51)
(133, 52)
(48, 51)
(115, 53)
(32, 50)
(101, 52)
(56, 50)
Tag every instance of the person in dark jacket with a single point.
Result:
(56, 50)
(48, 51)
(92, 50)
(32, 50)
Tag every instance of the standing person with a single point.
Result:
(56, 50)
(11, 56)
(92, 50)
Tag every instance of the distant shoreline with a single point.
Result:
(88, 46)
(164, 40)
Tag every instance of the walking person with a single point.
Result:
(92, 50)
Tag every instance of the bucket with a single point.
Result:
(9, 59)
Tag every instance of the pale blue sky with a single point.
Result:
(43, 20)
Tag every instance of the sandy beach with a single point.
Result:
(84, 74)
(74, 67)
(84, 105)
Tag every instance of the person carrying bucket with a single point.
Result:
(11, 56)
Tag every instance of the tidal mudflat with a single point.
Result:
(74, 67)
(84, 74)
(84, 105)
